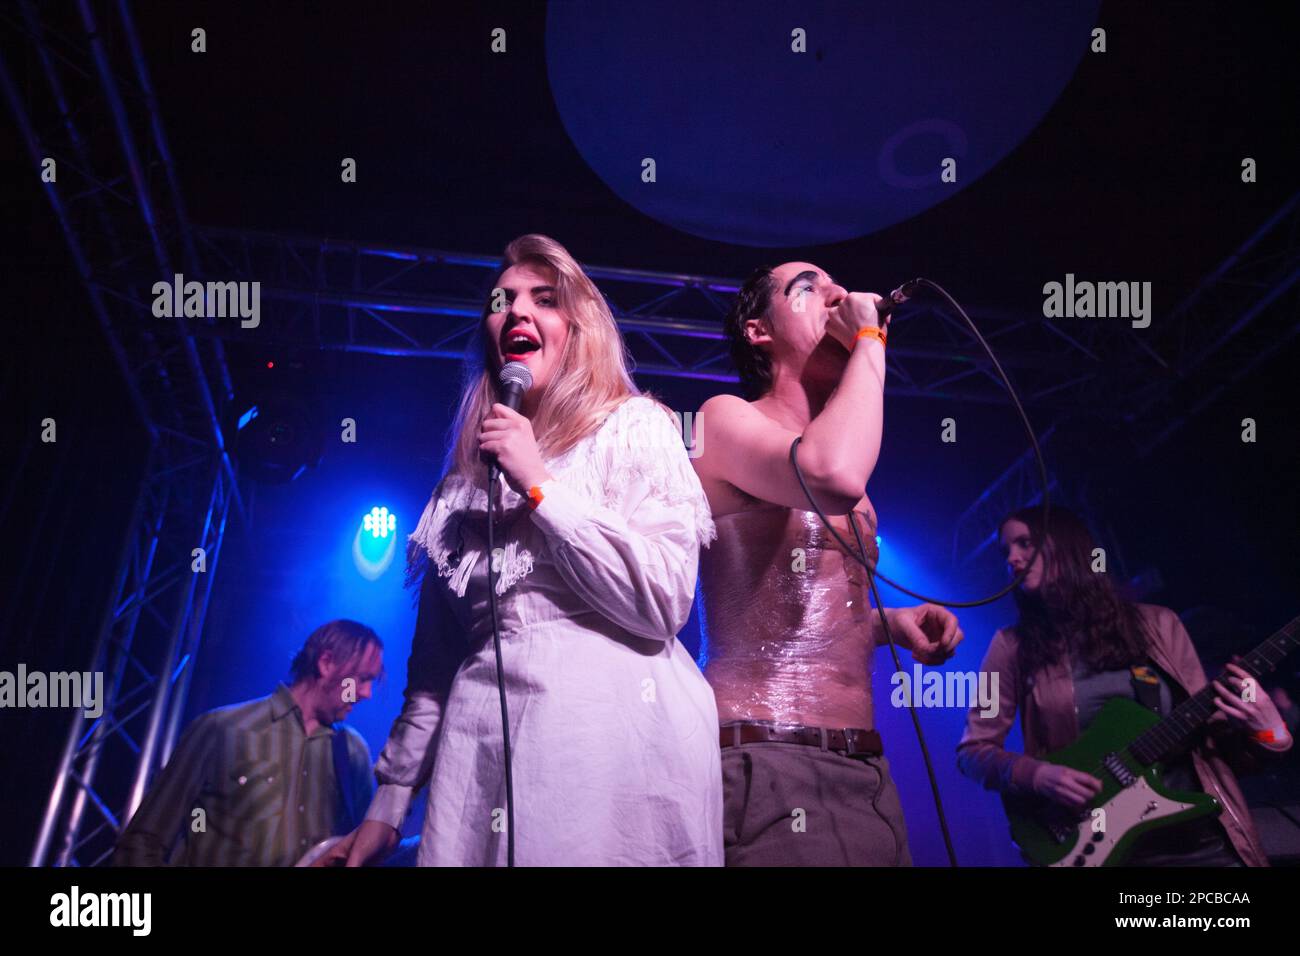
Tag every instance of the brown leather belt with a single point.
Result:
(848, 740)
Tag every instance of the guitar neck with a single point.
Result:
(1175, 731)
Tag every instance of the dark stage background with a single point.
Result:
(1126, 169)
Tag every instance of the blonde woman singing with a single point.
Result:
(600, 518)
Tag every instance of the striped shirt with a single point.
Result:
(266, 790)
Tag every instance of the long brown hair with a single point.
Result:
(1074, 608)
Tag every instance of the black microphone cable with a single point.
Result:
(501, 676)
(895, 298)
(515, 379)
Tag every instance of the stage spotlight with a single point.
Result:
(380, 522)
(375, 543)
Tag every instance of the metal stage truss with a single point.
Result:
(399, 300)
(80, 94)
(1159, 382)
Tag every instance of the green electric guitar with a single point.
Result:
(1124, 747)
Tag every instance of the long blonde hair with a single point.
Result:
(590, 381)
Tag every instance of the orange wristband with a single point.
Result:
(534, 497)
(871, 332)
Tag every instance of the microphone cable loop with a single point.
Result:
(860, 554)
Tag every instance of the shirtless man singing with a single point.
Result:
(789, 629)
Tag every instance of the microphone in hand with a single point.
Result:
(515, 379)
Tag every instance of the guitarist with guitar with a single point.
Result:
(1130, 752)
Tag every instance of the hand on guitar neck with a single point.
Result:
(1255, 714)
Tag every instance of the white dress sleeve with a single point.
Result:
(406, 761)
(630, 548)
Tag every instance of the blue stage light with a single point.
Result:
(375, 543)
(380, 522)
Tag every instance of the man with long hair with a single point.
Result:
(599, 523)
(790, 632)
(1075, 645)
(258, 783)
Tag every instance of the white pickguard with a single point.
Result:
(1130, 807)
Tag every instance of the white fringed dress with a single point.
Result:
(614, 730)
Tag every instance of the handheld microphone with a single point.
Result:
(514, 379)
(897, 297)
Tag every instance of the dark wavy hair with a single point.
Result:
(1074, 607)
(751, 361)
